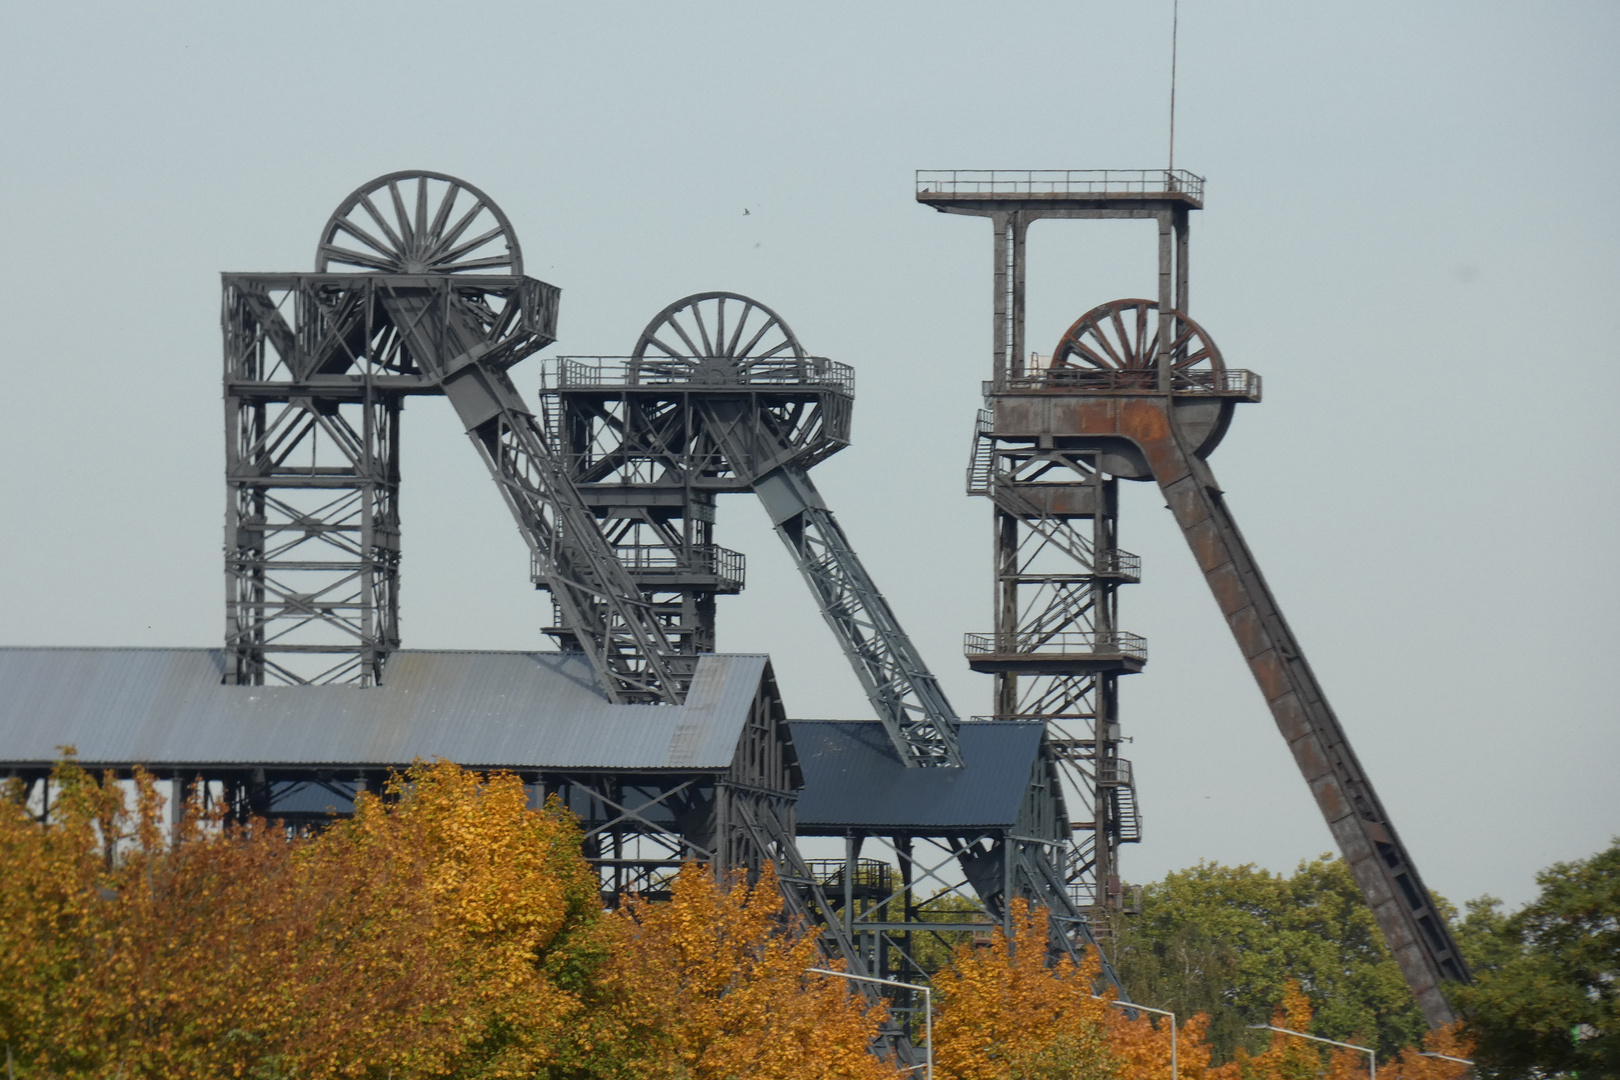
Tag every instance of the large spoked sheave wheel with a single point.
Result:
(717, 337)
(1119, 341)
(419, 223)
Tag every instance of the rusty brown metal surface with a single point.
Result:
(1414, 928)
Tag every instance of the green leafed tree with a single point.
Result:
(1225, 940)
(1544, 1000)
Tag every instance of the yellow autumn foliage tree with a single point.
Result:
(1006, 1012)
(430, 935)
(712, 985)
(1287, 1057)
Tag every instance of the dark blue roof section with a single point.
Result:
(853, 780)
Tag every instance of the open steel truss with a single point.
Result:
(720, 396)
(1056, 652)
(1138, 390)
(316, 366)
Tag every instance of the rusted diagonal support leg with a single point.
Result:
(1414, 929)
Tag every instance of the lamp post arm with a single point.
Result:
(1175, 1071)
(928, 1006)
(1372, 1055)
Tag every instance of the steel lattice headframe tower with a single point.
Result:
(418, 289)
(1135, 389)
(719, 396)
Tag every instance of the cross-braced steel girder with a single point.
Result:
(1056, 652)
(316, 366)
(1139, 390)
(717, 396)
(908, 894)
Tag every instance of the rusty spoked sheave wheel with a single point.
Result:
(1117, 345)
(419, 223)
(717, 338)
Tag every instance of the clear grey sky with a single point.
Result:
(1411, 233)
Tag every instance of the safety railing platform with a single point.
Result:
(1228, 382)
(652, 565)
(625, 372)
(1069, 650)
(946, 185)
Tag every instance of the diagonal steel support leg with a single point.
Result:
(907, 697)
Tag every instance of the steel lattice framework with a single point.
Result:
(719, 395)
(1135, 389)
(1056, 652)
(316, 366)
(420, 290)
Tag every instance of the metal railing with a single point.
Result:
(611, 372)
(871, 875)
(1129, 182)
(1230, 382)
(1083, 895)
(1114, 562)
(1064, 643)
(1114, 772)
(651, 561)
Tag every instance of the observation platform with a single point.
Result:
(701, 566)
(619, 373)
(1234, 384)
(1065, 653)
(1068, 192)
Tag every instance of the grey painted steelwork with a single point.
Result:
(906, 695)
(173, 708)
(317, 365)
(420, 290)
(1137, 390)
(998, 822)
(1057, 652)
(655, 787)
(719, 395)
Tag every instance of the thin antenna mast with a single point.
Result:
(1175, 21)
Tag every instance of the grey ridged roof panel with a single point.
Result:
(488, 709)
(852, 778)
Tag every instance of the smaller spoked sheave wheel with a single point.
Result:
(717, 337)
(1117, 344)
(419, 223)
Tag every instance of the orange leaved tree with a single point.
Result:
(431, 935)
(1005, 1014)
(713, 985)
(1288, 1057)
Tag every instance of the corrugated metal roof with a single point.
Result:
(853, 779)
(483, 709)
